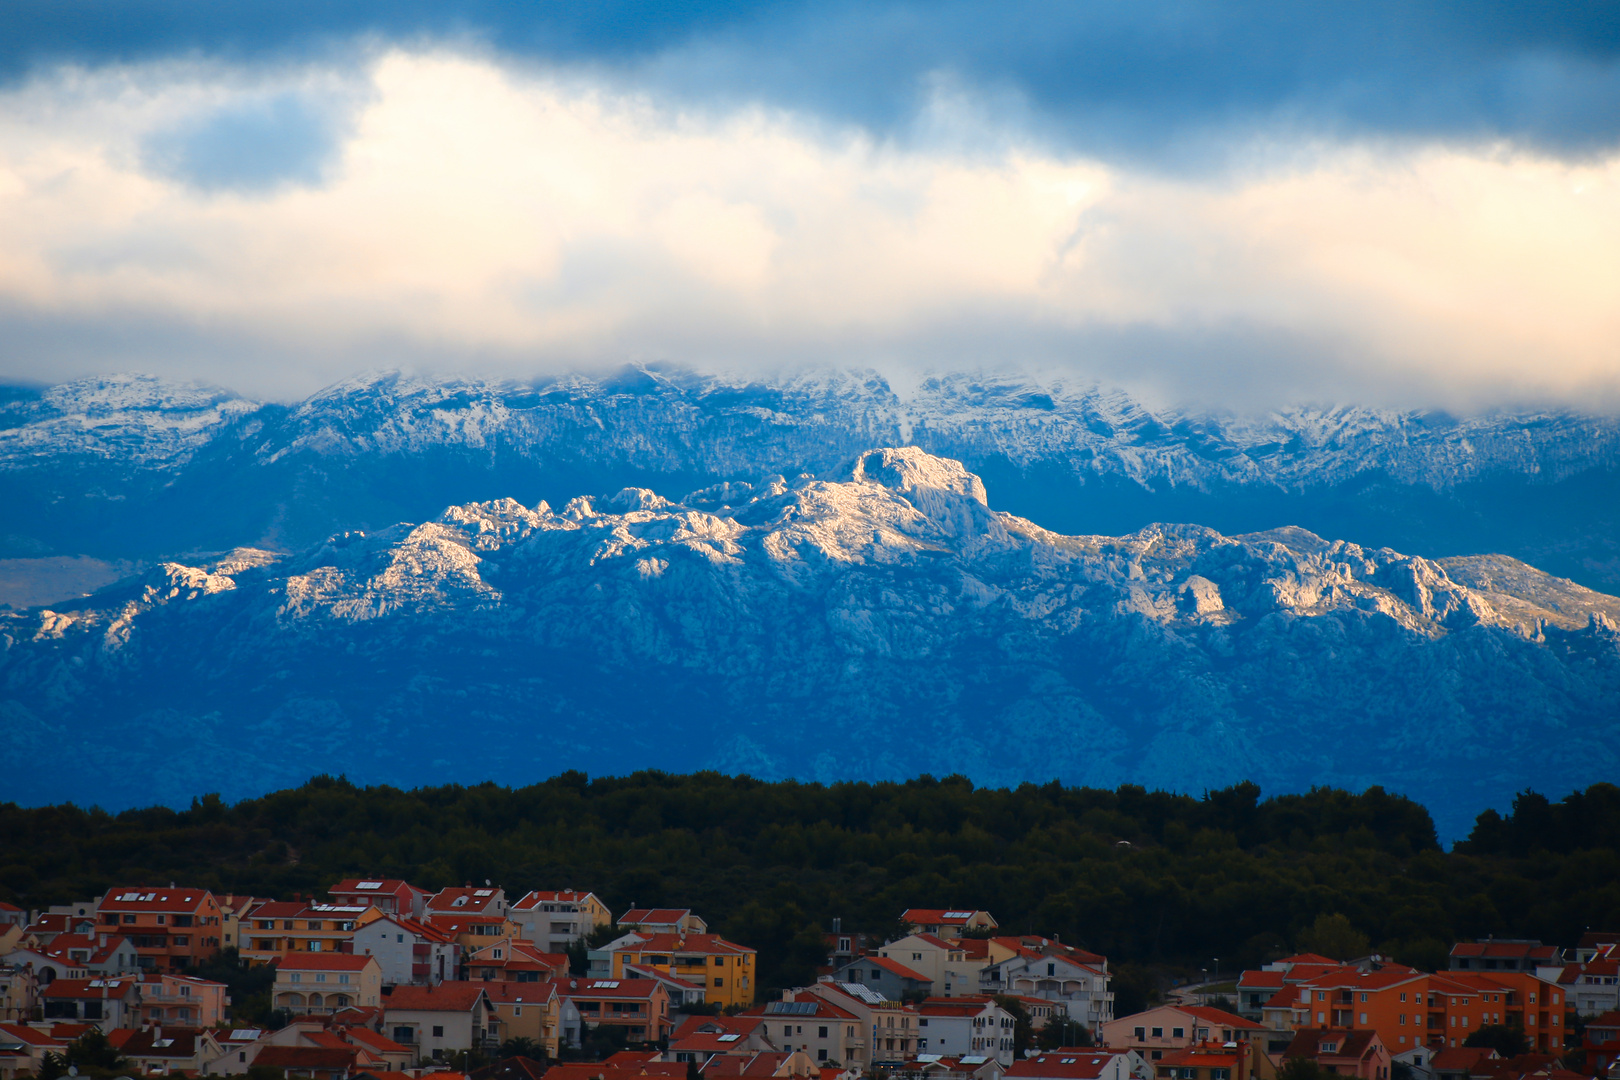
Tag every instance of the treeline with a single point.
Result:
(1144, 877)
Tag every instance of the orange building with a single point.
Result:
(171, 928)
(1409, 1008)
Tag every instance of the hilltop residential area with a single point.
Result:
(382, 980)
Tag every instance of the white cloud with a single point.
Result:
(471, 214)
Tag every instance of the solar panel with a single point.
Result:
(368, 885)
(791, 1008)
(728, 1038)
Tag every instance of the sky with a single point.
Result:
(1236, 205)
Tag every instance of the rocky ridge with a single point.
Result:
(878, 621)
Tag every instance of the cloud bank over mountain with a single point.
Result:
(1247, 207)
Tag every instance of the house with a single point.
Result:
(528, 1010)
(1254, 989)
(388, 895)
(764, 1064)
(943, 963)
(890, 978)
(1409, 1008)
(681, 991)
(1492, 954)
(556, 918)
(1040, 968)
(438, 1020)
(280, 928)
(1213, 1061)
(408, 951)
(316, 983)
(171, 929)
(23, 1050)
(1592, 985)
(662, 921)
(965, 1025)
(1360, 1054)
(1081, 1064)
(468, 900)
(822, 1029)
(515, 960)
(472, 932)
(232, 910)
(890, 1028)
(940, 1067)
(156, 1050)
(640, 1006)
(698, 1038)
(310, 1062)
(724, 969)
(512, 1068)
(19, 993)
(109, 1003)
(949, 924)
(78, 956)
(1463, 1062)
(1165, 1028)
(1602, 1043)
(182, 1001)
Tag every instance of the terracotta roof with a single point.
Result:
(383, 885)
(322, 961)
(1573, 972)
(278, 909)
(110, 987)
(147, 898)
(1207, 1055)
(32, 1036)
(709, 944)
(1070, 1064)
(892, 966)
(413, 926)
(1309, 958)
(611, 988)
(1308, 1043)
(472, 899)
(371, 1040)
(938, 916)
(722, 1024)
(446, 997)
(1528, 950)
(823, 1007)
(161, 1043)
(305, 1057)
(528, 993)
(384, 1074)
(513, 1068)
(1606, 1020)
(1461, 1058)
(1219, 1016)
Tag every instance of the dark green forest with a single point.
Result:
(1148, 878)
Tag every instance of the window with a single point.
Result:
(1402, 1019)
(128, 919)
(719, 961)
(295, 977)
(162, 919)
(1220, 1074)
(343, 978)
(1141, 1033)
(1158, 1033)
(400, 938)
(823, 1032)
(1363, 1018)
(787, 1029)
(1364, 999)
(320, 976)
(1321, 995)
(1403, 997)
(438, 1031)
(1051, 969)
(1178, 1033)
(718, 981)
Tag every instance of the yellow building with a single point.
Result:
(287, 928)
(528, 1011)
(724, 969)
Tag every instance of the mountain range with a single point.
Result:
(801, 578)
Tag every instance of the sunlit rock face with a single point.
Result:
(880, 619)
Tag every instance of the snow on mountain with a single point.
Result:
(138, 420)
(878, 620)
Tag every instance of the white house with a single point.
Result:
(944, 963)
(554, 919)
(965, 1026)
(408, 951)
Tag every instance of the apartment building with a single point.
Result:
(170, 929)
(556, 918)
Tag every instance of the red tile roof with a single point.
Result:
(893, 966)
(306, 1057)
(1260, 980)
(656, 916)
(1206, 1056)
(708, 944)
(1071, 1064)
(322, 961)
(937, 916)
(32, 1036)
(592, 989)
(1219, 1016)
(110, 987)
(146, 898)
(1461, 1058)
(1526, 950)
(1312, 1043)
(446, 997)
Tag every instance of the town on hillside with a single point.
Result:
(381, 980)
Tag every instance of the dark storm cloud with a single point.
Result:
(1130, 78)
